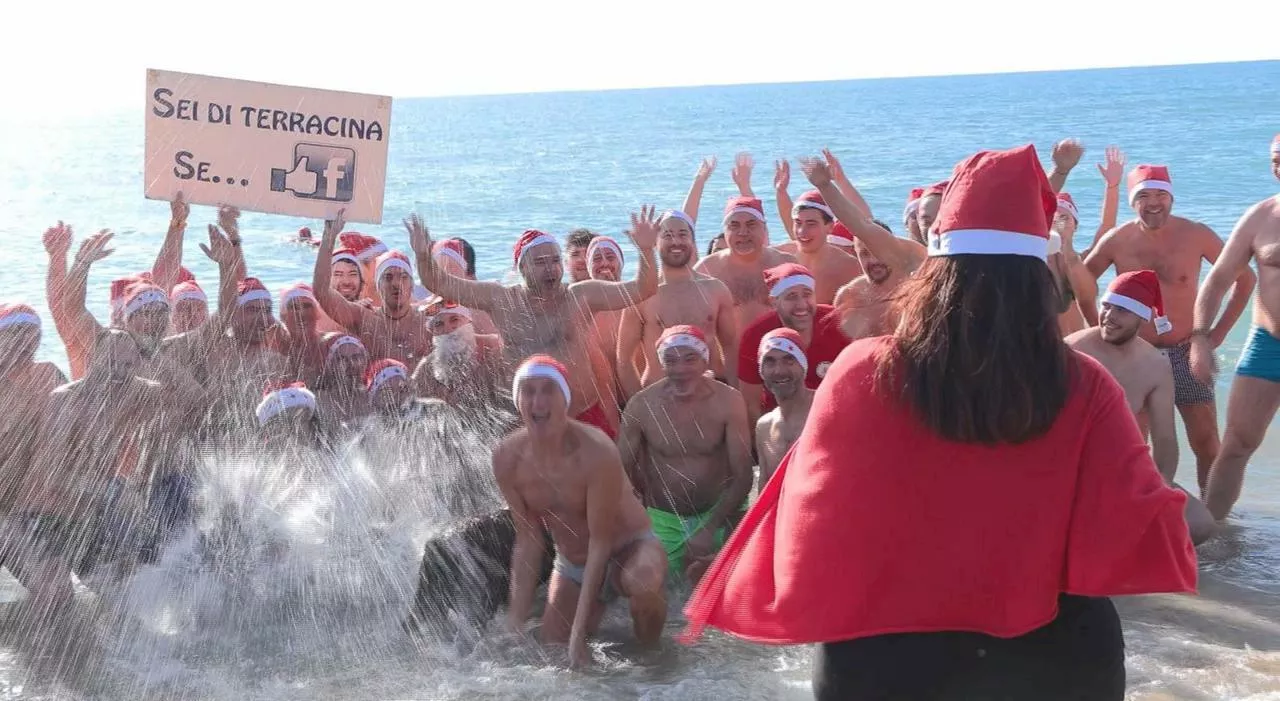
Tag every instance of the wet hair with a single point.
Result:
(579, 238)
(711, 245)
(978, 355)
(469, 255)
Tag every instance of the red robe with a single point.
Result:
(874, 524)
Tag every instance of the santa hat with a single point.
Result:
(451, 249)
(185, 275)
(334, 340)
(279, 397)
(676, 214)
(1139, 292)
(743, 205)
(811, 200)
(783, 277)
(187, 291)
(365, 248)
(1275, 146)
(346, 255)
(913, 203)
(686, 336)
(603, 242)
(786, 340)
(997, 203)
(389, 260)
(120, 291)
(935, 189)
(1148, 177)
(141, 295)
(18, 315)
(382, 372)
(249, 290)
(529, 239)
(840, 235)
(438, 305)
(541, 366)
(1068, 205)
(298, 290)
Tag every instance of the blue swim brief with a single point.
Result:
(1260, 357)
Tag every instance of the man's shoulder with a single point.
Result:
(1082, 338)
(592, 441)
(772, 256)
(505, 451)
(765, 423)
(721, 393)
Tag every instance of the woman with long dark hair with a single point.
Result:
(967, 492)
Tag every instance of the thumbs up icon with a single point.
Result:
(300, 181)
(319, 173)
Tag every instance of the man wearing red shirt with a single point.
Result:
(790, 288)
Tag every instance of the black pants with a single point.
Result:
(1077, 657)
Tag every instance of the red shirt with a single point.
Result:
(827, 342)
(873, 524)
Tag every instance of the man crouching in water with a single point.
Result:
(692, 431)
(567, 476)
(1143, 373)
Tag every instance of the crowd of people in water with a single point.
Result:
(647, 413)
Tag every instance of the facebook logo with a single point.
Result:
(318, 173)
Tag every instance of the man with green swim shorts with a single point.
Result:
(686, 446)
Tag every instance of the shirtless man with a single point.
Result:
(1174, 247)
(927, 210)
(864, 304)
(189, 307)
(909, 220)
(1132, 300)
(346, 274)
(742, 264)
(464, 368)
(1077, 288)
(543, 315)
(684, 297)
(575, 254)
(87, 477)
(366, 249)
(300, 343)
(27, 385)
(783, 366)
(832, 268)
(686, 446)
(604, 262)
(786, 207)
(566, 477)
(1255, 391)
(341, 397)
(456, 257)
(394, 330)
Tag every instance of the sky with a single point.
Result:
(81, 60)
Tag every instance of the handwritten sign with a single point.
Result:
(266, 148)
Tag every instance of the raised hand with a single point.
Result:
(333, 227)
(94, 248)
(419, 235)
(57, 240)
(229, 220)
(705, 169)
(1113, 170)
(222, 249)
(178, 212)
(781, 175)
(741, 173)
(816, 170)
(837, 170)
(1067, 153)
(644, 228)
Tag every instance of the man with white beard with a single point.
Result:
(463, 368)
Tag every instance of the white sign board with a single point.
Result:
(266, 148)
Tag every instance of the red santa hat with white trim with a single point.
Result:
(251, 289)
(280, 396)
(606, 242)
(1139, 292)
(391, 260)
(997, 203)
(346, 255)
(188, 291)
(1149, 177)
(781, 278)
(334, 340)
(383, 371)
(142, 295)
(18, 315)
(119, 291)
(811, 200)
(298, 290)
(365, 248)
(529, 239)
(840, 235)
(541, 366)
(786, 340)
(450, 249)
(913, 204)
(683, 336)
(743, 205)
(1068, 205)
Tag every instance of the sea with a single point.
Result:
(487, 167)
